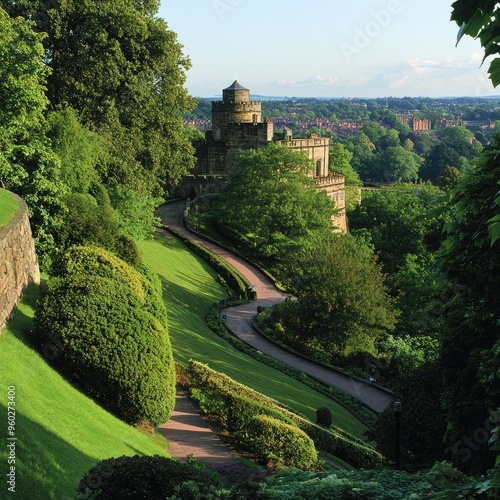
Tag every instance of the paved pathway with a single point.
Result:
(239, 319)
(187, 433)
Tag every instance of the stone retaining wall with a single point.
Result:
(18, 261)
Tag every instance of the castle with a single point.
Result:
(237, 125)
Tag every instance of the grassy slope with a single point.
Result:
(8, 207)
(60, 432)
(189, 290)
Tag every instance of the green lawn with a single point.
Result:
(60, 432)
(8, 207)
(190, 287)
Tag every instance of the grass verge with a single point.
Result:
(190, 288)
(60, 432)
(8, 207)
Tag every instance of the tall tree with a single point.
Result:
(123, 70)
(273, 204)
(343, 307)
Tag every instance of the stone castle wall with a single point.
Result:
(18, 261)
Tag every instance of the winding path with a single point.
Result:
(239, 319)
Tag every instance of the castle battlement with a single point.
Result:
(237, 125)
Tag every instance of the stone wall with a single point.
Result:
(18, 261)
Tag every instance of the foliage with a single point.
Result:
(281, 443)
(273, 204)
(396, 164)
(134, 212)
(152, 477)
(22, 79)
(123, 70)
(401, 219)
(68, 431)
(479, 19)
(340, 162)
(81, 152)
(448, 178)
(423, 422)
(468, 356)
(342, 308)
(87, 222)
(98, 324)
(219, 386)
(342, 485)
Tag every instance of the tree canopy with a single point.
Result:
(273, 204)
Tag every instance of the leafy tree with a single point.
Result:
(340, 162)
(448, 178)
(462, 141)
(395, 163)
(469, 356)
(82, 153)
(27, 164)
(401, 219)
(123, 70)
(272, 203)
(362, 149)
(440, 157)
(343, 307)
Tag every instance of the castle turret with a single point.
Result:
(235, 107)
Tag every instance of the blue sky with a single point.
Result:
(327, 48)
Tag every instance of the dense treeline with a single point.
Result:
(92, 99)
(91, 136)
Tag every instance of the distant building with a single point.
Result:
(237, 125)
(416, 124)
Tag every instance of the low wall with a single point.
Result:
(18, 261)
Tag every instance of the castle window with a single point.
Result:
(318, 168)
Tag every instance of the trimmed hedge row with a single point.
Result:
(355, 406)
(274, 440)
(234, 280)
(227, 391)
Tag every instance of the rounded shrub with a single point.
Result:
(152, 478)
(324, 416)
(95, 323)
(274, 440)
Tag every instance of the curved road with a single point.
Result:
(239, 319)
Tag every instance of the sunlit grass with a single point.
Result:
(60, 432)
(8, 207)
(190, 287)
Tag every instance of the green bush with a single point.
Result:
(218, 389)
(324, 417)
(275, 440)
(154, 478)
(97, 323)
(242, 410)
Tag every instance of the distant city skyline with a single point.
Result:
(367, 48)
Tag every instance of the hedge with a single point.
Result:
(154, 478)
(234, 280)
(339, 443)
(102, 323)
(274, 440)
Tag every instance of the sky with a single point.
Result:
(327, 48)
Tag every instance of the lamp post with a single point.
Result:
(397, 434)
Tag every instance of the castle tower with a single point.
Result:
(235, 108)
